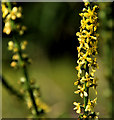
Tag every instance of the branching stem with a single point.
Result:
(10, 88)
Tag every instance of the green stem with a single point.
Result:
(86, 90)
(10, 88)
(25, 72)
(86, 98)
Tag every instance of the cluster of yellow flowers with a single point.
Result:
(9, 15)
(16, 49)
(87, 62)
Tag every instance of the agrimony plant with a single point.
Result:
(87, 61)
(30, 91)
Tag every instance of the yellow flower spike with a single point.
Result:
(87, 50)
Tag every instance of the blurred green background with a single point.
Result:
(52, 47)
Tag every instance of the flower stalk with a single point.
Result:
(21, 60)
(87, 61)
(25, 73)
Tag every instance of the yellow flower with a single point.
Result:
(84, 22)
(4, 10)
(81, 91)
(29, 103)
(77, 108)
(23, 45)
(88, 107)
(15, 50)
(83, 79)
(10, 45)
(7, 28)
(84, 116)
(13, 64)
(15, 57)
(91, 105)
(76, 83)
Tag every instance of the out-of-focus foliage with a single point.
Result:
(106, 26)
